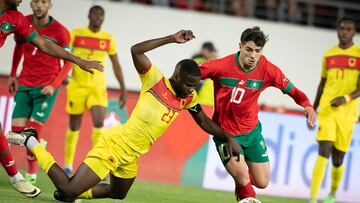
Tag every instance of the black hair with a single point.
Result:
(188, 67)
(345, 19)
(254, 34)
(96, 7)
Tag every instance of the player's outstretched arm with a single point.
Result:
(212, 128)
(301, 99)
(120, 78)
(58, 52)
(142, 62)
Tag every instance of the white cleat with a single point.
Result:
(15, 138)
(20, 138)
(26, 188)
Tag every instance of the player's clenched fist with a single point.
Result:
(183, 36)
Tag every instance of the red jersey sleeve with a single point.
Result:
(208, 69)
(278, 79)
(24, 28)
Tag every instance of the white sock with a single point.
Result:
(16, 178)
(31, 143)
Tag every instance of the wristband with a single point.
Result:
(347, 98)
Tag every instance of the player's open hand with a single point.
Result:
(88, 65)
(12, 84)
(122, 98)
(48, 90)
(234, 148)
(338, 101)
(311, 117)
(183, 36)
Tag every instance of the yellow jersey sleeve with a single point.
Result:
(324, 69)
(193, 102)
(113, 49)
(150, 78)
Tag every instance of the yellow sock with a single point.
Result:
(70, 146)
(318, 175)
(96, 133)
(336, 177)
(86, 195)
(45, 159)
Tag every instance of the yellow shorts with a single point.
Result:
(110, 157)
(79, 98)
(337, 131)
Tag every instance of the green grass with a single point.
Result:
(141, 192)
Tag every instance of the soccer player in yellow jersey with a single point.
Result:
(337, 99)
(206, 89)
(86, 91)
(118, 149)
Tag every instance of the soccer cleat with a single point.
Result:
(329, 199)
(20, 138)
(30, 178)
(60, 197)
(26, 188)
(313, 201)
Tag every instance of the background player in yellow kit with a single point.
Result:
(118, 149)
(338, 94)
(87, 91)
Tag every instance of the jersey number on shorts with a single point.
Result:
(166, 117)
(237, 95)
(224, 152)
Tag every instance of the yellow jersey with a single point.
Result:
(91, 45)
(156, 109)
(341, 69)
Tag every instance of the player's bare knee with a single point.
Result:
(337, 162)
(118, 195)
(325, 152)
(69, 192)
(262, 184)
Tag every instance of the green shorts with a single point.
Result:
(30, 103)
(253, 144)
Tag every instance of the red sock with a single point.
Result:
(37, 126)
(243, 192)
(6, 158)
(32, 161)
(17, 128)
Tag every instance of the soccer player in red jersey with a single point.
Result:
(238, 81)
(40, 76)
(12, 21)
(118, 150)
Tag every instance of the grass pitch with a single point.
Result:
(141, 192)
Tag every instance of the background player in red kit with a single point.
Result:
(238, 81)
(12, 21)
(39, 78)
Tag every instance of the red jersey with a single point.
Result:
(12, 21)
(40, 69)
(236, 90)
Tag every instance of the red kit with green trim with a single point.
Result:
(237, 91)
(12, 21)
